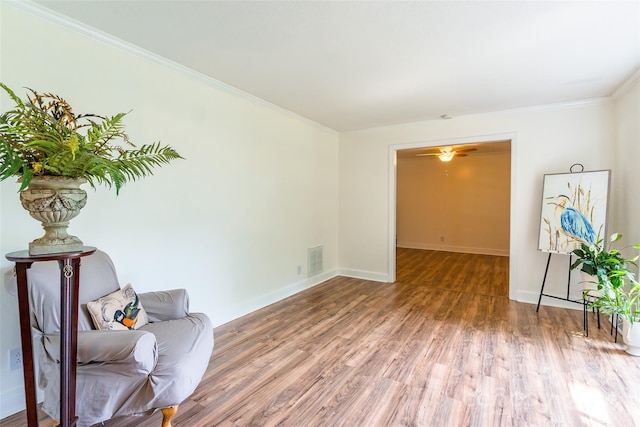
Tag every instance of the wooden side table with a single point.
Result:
(69, 285)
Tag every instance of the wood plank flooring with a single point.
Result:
(443, 346)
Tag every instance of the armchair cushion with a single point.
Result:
(165, 305)
(136, 349)
(120, 310)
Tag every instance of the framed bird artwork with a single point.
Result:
(574, 210)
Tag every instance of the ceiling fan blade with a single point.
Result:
(428, 154)
(466, 150)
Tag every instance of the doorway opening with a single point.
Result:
(452, 196)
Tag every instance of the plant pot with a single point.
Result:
(54, 201)
(589, 282)
(631, 336)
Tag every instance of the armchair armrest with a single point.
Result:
(165, 305)
(138, 349)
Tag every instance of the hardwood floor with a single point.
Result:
(443, 346)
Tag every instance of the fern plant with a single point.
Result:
(43, 136)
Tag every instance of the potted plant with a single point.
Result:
(52, 151)
(617, 292)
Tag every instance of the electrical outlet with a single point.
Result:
(15, 359)
(299, 270)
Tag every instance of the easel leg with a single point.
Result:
(569, 277)
(585, 320)
(544, 279)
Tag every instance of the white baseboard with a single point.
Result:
(531, 297)
(263, 301)
(448, 248)
(364, 275)
(12, 401)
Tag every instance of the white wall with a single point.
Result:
(546, 141)
(627, 171)
(458, 206)
(231, 223)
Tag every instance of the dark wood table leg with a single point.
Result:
(74, 338)
(75, 290)
(27, 345)
(69, 264)
(69, 281)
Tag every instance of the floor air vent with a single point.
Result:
(315, 261)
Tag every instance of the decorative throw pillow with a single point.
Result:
(120, 310)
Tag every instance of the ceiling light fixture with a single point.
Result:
(446, 156)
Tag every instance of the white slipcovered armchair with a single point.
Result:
(120, 372)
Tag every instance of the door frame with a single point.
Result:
(393, 170)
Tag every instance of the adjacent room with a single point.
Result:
(331, 214)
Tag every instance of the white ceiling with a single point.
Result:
(354, 65)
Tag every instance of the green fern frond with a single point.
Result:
(10, 160)
(100, 134)
(13, 96)
(135, 164)
(41, 137)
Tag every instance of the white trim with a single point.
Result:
(479, 139)
(393, 149)
(513, 230)
(532, 108)
(531, 297)
(85, 30)
(265, 300)
(627, 85)
(13, 400)
(393, 236)
(365, 275)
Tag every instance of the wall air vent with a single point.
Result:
(315, 261)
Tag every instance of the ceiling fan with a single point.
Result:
(445, 154)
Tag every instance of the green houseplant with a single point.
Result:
(52, 151)
(616, 291)
(42, 136)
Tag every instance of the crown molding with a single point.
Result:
(627, 85)
(556, 106)
(528, 109)
(77, 27)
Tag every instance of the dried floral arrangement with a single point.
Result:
(42, 136)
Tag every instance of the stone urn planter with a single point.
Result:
(52, 151)
(54, 201)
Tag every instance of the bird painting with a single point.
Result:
(571, 222)
(129, 315)
(574, 210)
